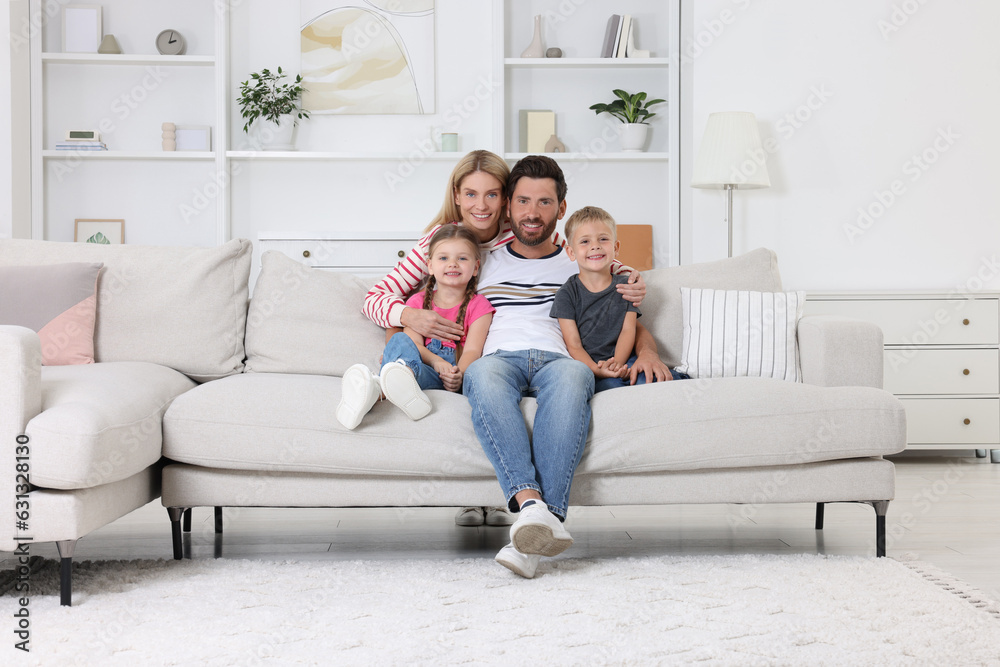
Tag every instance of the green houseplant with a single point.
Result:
(633, 111)
(265, 98)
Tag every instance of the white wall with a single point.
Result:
(879, 97)
(6, 230)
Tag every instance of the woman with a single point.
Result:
(475, 199)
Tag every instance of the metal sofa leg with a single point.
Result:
(187, 520)
(218, 520)
(881, 507)
(995, 456)
(820, 507)
(66, 548)
(980, 453)
(175, 514)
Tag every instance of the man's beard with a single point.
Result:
(545, 235)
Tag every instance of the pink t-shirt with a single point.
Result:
(478, 306)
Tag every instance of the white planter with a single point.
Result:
(276, 136)
(633, 137)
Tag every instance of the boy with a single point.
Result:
(597, 324)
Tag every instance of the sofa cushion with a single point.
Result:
(661, 309)
(279, 422)
(740, 333)
(100, 423)
(59, 303)
(184, 308)
(304, 320)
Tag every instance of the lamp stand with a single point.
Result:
(729, 187)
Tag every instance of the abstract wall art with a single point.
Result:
(368, 56)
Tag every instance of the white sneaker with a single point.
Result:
(359, 390)
(498, 516)
(400, 386)
(469, 516)
(539, 531)
(517, 562)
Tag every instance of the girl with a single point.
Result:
(412, 363)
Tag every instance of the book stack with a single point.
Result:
(81, 145)
(619, 41)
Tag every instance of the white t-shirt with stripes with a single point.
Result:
(522, 291)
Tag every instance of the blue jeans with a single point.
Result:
(604, 384)
(547, 460)
(402, 348)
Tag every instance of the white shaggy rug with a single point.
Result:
(739, 610)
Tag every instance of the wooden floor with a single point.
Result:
(946, 512)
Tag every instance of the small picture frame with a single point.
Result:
(193, 137)
(102, 231)
(81, 28)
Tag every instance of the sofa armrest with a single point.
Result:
(839, 352)
(20, 401)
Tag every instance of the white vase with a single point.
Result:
(633, 137)
(536, 49)
(277, 136)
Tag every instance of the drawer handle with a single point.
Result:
(401, 254)
(966, 421)
(965, 372)
(965, 322)
(305, 253)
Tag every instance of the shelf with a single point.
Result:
(586, 62)
(131, 155)
(616, 156)
(342, 156)
(125, 59)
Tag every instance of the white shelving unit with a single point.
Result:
(569, 85)
(161, 189)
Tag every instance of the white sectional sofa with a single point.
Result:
(259, 430)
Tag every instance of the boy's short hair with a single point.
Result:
(589, 214)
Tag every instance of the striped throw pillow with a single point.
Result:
(740, 333)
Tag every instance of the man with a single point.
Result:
(525, 355)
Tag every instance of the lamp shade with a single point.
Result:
(731, 153)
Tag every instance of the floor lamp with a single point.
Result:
(731, 157)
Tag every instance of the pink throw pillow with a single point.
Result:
(59, 302)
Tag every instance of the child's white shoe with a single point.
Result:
(359, 389)
(400, 386)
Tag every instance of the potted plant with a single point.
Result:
(633, 112)
(264, 98)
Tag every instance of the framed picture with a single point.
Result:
(106, 232)
(193, 138)
(81, 28)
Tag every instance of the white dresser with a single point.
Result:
(371, 254)
(942, 359)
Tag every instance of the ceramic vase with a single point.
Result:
(633, 137)
(276, 136)
(536, 49)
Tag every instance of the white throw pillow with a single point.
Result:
(740, 333)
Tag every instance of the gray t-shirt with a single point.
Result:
(599, 316)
